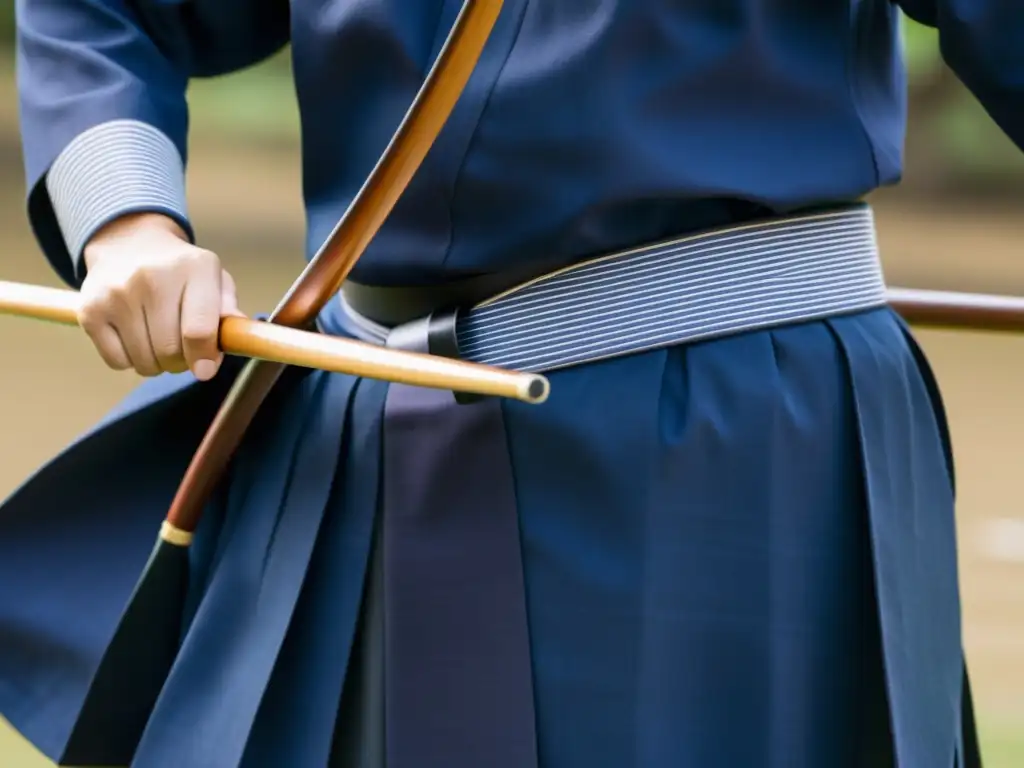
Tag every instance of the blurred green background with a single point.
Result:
(955, 222)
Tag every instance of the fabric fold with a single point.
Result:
(296, 721)
(909, 491)
(233, 644)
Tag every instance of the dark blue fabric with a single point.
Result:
(453, 561)
(588, 126)
(699, 530)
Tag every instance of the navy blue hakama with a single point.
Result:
(738, 552)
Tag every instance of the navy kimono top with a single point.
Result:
(588, 125)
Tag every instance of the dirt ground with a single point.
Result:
(53, 387)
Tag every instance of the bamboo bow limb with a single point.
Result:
(279, 344)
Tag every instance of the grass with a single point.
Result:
(1002, 744)
(255, 104)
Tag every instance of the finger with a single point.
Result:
(200, 320)
(162, 312)
(108, 344)
(134, 333)
(118, 331)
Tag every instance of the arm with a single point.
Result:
(982, 41)
(104, 118)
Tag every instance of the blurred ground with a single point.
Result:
(246, 205)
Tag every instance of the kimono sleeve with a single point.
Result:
(982, 41)
(104, 117)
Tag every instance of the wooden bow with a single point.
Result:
(323, 277)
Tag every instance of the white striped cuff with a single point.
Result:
(118, 167)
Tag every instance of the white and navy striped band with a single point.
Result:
(117, 167)
(699, 287)
(695, 288)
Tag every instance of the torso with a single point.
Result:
(591, 125)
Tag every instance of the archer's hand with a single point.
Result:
(152, 301)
